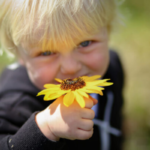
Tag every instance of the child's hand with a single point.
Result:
(73, 122)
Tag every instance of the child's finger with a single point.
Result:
(85, 124)
(88, 103)
(88, 114)
(95, 101)
(83, 135)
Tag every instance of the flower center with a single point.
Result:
(72, 84)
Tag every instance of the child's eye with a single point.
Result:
(47, 53)
(85, 44)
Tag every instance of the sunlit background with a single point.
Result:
(132, 42)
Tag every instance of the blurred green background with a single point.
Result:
(132, 42)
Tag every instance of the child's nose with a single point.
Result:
(70, 64)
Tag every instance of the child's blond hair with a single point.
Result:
(52, 23)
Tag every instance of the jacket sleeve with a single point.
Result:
(20, 132)
(18, 107)
(27, 137)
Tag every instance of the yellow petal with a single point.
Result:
(87, 90)
(93, 83)
(86, 78)
(96, 82)
(92, 89)
(43, 92)
(47, 96)
(51, 97)
(82, 93)
(55, 94)
(99, 83)
(63, 91)
(50, 91)
(51, 85)
(100, 93)
(68, 99)
(106, 84)
(57, 88)
(79, 99)
(58, 80)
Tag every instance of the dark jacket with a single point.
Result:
(19, 104)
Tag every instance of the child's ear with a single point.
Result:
(21, 61)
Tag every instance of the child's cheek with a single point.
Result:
(47, 74)
(97, 60)
(43, 75)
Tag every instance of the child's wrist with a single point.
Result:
(40, 120)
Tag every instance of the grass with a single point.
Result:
(132, 43)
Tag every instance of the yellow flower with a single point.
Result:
(74, 89)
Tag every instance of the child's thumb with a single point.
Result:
(95, 101)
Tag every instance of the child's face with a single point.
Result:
(90, 58)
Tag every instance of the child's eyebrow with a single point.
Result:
(34, 49)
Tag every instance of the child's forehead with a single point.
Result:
(57, 29)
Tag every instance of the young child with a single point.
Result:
(58, 39)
